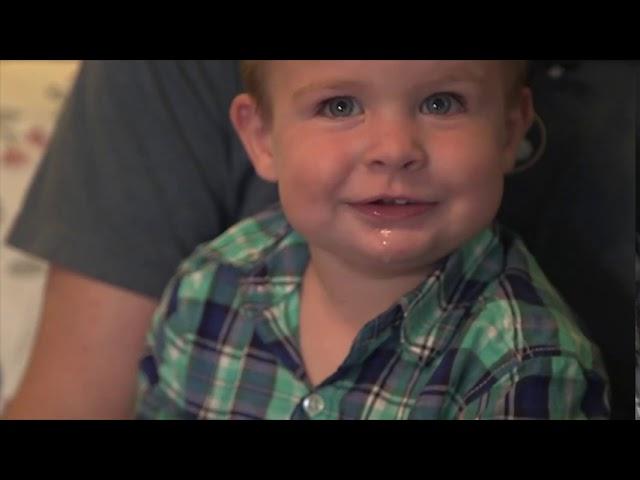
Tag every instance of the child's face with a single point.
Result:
(345, 134)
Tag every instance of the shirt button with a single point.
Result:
(313, 404)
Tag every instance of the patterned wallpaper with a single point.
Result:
(31, 94)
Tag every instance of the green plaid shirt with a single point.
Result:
(485, 336)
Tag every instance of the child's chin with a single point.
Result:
(399, 250)
(399, 261)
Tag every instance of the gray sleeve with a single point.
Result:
(143, 166)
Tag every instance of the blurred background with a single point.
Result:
(31, 94)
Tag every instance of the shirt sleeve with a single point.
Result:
(159, 394)
(142, 167)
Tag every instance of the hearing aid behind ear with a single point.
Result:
(532, 147)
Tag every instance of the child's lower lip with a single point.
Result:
(391, 211)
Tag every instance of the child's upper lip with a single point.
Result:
(387, 197)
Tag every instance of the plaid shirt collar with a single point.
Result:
(451, 289)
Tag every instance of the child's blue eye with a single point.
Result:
(442, 104)
(340, 107)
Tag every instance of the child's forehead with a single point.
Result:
(455, 69)
(296, 78)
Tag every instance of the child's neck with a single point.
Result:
(352, 295)
(337, 300)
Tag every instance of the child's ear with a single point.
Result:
(254, 134)
(520, 115)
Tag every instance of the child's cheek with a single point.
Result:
(316, 170)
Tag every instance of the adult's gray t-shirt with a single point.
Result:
(142, 167)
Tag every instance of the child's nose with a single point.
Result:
(395, 144)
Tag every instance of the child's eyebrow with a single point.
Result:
(328, 85)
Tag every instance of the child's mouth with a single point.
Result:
(392, 208)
